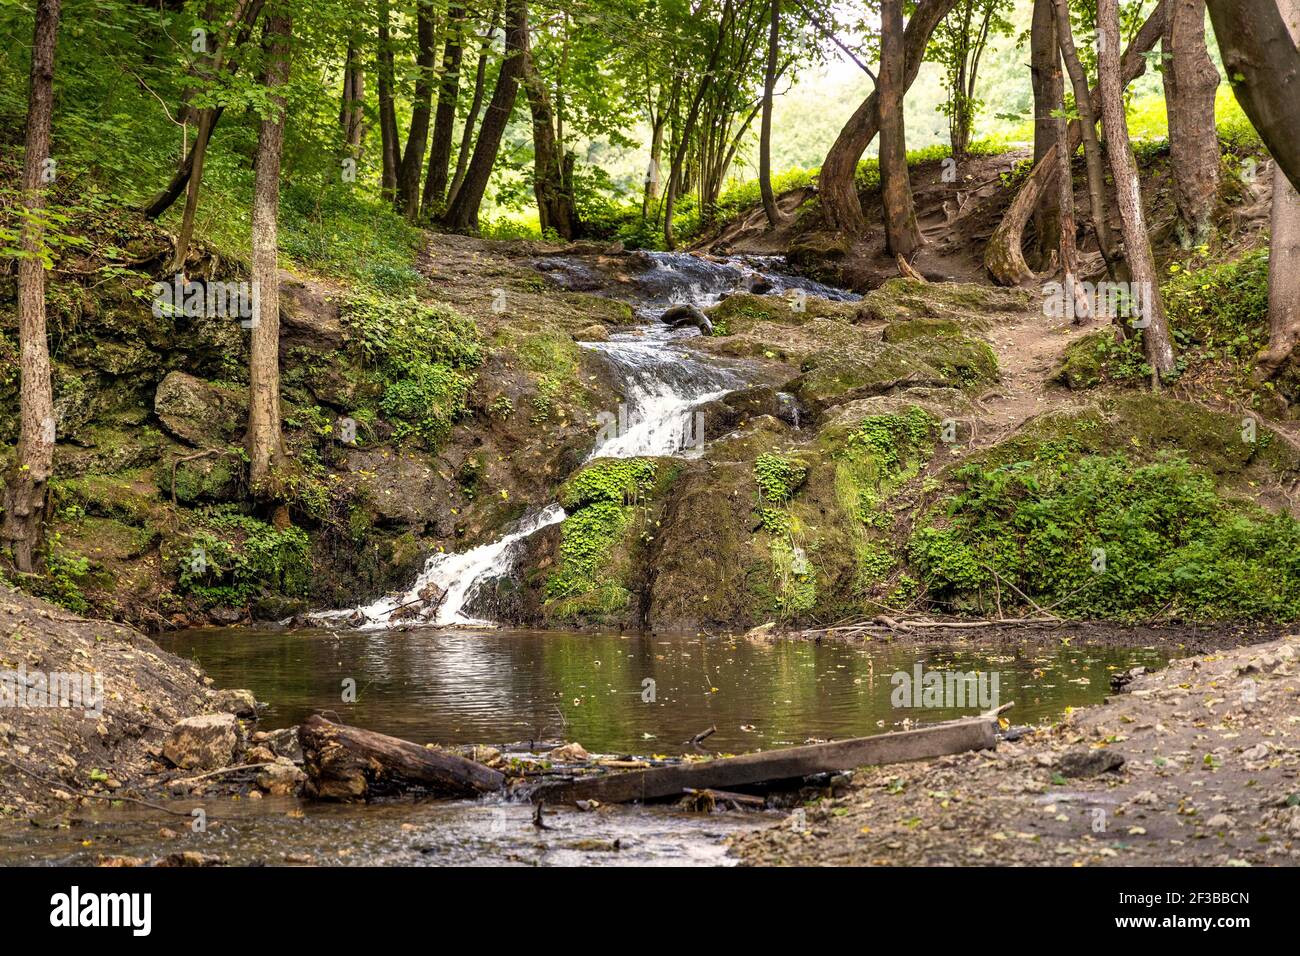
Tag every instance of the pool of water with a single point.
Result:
(625, 693)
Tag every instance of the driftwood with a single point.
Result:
(773, 765)
(348, 763)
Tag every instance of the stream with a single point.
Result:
(458, 680)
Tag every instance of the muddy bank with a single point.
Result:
(1195, 764)
(131, 693)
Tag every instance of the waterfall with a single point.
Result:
(662, 387)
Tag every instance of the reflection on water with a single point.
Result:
(499, 686)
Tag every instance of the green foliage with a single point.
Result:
(425, 356)
(1100, 537)
(1223, 308)
(65, 573)
(235, 557)
(778, 478)
(622, 481)
(588, 536)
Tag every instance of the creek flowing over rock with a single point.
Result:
(662, 387)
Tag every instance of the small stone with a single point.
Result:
(1089, 763)
(241, 703)
(281, 779)
(202, 743)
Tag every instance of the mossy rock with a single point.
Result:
(835, 376)
(200, 413)
(1083, 363)
(741, 311)
(214, 478)
(907, 331)
(104, 449)
(971, 303)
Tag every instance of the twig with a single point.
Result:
(86, 794)
(218, 773)
(702, 736)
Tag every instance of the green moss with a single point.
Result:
(621, 481)
(233, 557)
(1094, 536)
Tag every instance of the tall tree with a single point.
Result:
(352, 106)
(902, 234)
(1263, 65)
(476, 104)
(1049, 99)
(444, 120)
(265, 441)
(462, 212)
(1145, 289)
(958, 46)
(24, 498)
(765, 125)
(1191, 81)
(555, 203)
(386, 76)
(1094, 160)
(836, 186)
(417, 134)
(1283, 253)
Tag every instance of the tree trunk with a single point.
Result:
(417, 135)
(651, 191)
(1003, 257)
(1263, 65)
(902, 234)
(555, 208)
(471, 118)
(836, 184)
(24, 498)
(462, 213)
(1283, 254)
(765, 125)
(388, 135)
(1191, 80)
(1049, 99)
(1093, 158)
(352, 107)
(1145, 289)
(264, 440)
(444, 121)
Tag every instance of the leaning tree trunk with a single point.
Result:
(1283, 255)
(462, 213)
(471, 118)
(417, 135)
(1002, 255)
(24, 497)
(435, 183)
(836, 183)
(765, 125)
(264, 440)
(1191, 80)
(1049, 99)
(1145, 291)
(555, 209)
(902, 234)
(1093, 158)
(1263, 66)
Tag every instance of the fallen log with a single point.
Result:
(348, 764)
(978, 733)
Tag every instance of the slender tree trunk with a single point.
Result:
(462, 213)
(1191, 80)
(1145, 292)
(836, 184)
(652, 178)
(444, 121)
(417, 136)
(1049, 98)
(765, 126)
(1003, 256)
(1092, 154)
(265, 441)
(352, 106)
(1262, 62)
(1283, 253)
(1069, 249)
(555, 208)
(471, 118)
(902, 234)
(24, 497)
(388, 134)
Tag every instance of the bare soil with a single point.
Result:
(1204, 770)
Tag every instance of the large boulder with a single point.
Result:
(202, 743)
(198, 413)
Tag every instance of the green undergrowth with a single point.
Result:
(1106, 537)
(230, 558)
(425, 356)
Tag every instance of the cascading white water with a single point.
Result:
(662, 387)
